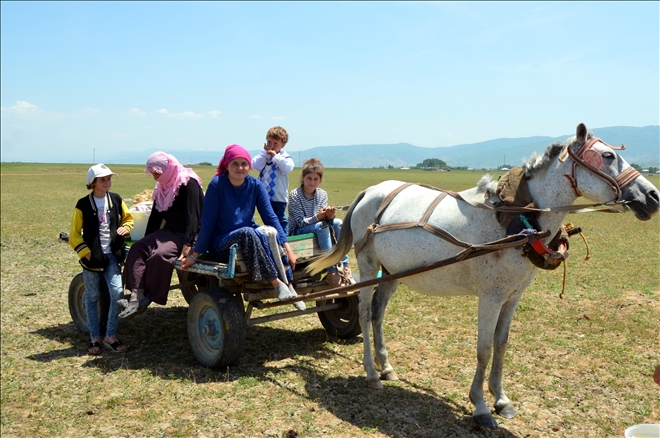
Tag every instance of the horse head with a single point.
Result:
(593, 162)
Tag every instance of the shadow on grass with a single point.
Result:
(158, 342)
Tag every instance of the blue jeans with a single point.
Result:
(322, 231)
(112, 276)
(279, 208)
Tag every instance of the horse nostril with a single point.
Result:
(654, 194)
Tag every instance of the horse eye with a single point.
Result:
(608, 155)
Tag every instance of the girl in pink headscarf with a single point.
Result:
(171, 230)
(228, 219)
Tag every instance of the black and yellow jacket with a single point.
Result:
(84, 233)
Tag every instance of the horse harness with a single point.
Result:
(540, 254)
(544, 257)
(591, 160)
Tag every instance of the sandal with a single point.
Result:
(94, 348)
(132, 307)
(115, 346)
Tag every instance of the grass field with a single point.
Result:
(577, 367)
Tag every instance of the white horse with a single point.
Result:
(583, 166)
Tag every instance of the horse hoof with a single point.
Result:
(374, 384)
(506, 411)
(389, 375)
(485, 420)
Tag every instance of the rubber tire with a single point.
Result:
(77, 305)
(216, 328)
(343, 323)
(187, 293)
(202, 282)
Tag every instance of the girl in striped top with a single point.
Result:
(309, 212)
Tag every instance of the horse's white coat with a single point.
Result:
(498, 279)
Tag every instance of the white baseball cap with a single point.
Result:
(98, 171)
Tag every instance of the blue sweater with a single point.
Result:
(228, 208)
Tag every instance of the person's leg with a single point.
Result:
(279, 208)
(112, 277)
(322, 232)
(91, 300)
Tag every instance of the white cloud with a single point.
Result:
(256, 116)
(149, 127)
(22, 108)
(183, 115)
(189, 115)
(278, 118)
(214, 114)
(137, 112)
(91, 111)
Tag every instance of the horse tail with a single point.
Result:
(343, 245)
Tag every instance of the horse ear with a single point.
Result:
(581, 133)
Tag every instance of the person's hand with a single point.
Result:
(330, 212)
(188, 261)
(290, 256)
(321, 214)
(121, 231)
(656, 375)
(269, 150)
(185, 251)
(88, 256)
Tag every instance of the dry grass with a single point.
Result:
(578, 367)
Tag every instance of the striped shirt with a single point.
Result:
(302, 210)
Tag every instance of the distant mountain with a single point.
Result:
(643, 148)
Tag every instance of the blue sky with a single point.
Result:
(82, 79)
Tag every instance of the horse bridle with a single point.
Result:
(617, 183)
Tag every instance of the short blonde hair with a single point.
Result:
(312, 165)
(278, 133)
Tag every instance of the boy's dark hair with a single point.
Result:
(278, 133)
(90, 186)
(312, 165)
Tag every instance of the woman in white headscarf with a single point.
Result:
(171, 230)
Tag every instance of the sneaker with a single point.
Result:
(348, 275)
(334, 278)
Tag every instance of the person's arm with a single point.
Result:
(212, 200)
(194, 202)
(75, 235)
(297, 214)
(284, 162)
(126, 225)
(259, 161)
(155, 220)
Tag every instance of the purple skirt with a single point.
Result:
(150, 263)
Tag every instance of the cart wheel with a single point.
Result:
(196, 282)
(343, 322)
(77, 305)
(216, 328)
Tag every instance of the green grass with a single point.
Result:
(575, 367)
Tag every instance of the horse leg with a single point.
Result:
(489, 310)
(368, 269)
(366, 297)
(503, 405)
(379, 304)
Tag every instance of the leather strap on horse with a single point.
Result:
(375, 227)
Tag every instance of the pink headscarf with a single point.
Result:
(172, 176)
(232, 152)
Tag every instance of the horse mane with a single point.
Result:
(539, 162)
(535, 163)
